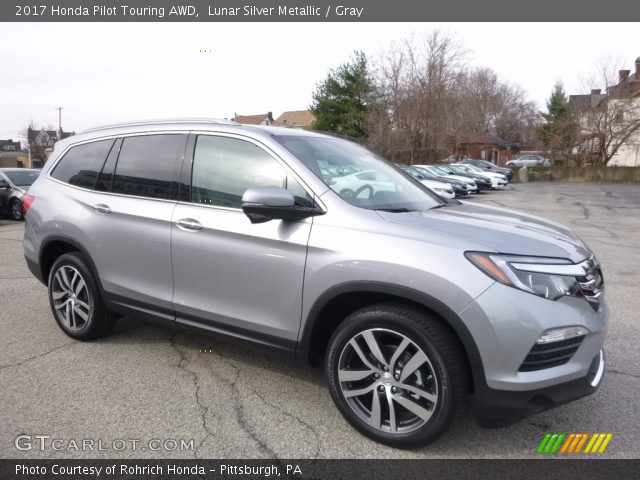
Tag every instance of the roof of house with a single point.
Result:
(476, 138)
(587, 100)
(295, 118)
(253, 119)
(15, 146)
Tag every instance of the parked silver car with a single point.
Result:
(412, 302)
(529, 161)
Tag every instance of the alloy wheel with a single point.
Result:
(388, 381)
(16, 210)
(71, 299)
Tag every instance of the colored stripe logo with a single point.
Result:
(573, 443)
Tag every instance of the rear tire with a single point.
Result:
(76, 301)
(397, 374)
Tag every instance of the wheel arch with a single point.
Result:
(57, 245)
(337, 303)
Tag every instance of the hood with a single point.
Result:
(436, 184)
(498, 229)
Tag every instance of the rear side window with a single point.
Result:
(146, 165)
(105, 180)
(81, 165)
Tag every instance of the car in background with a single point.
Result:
(497, 179)
(363, 184)
(488, 166)
(14, 183)
(442, 189)
(529, 161)
(461, 189)
(439, 172)
(483, 182)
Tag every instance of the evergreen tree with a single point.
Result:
(559, 131)
(341, 103)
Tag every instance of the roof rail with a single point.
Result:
(164, 121)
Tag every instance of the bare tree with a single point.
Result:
(610, 120)
(429, 100)
(39, 142)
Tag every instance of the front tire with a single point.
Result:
(15, 210)
(396, 374)
(75, 299)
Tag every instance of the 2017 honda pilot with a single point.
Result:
(411, 301)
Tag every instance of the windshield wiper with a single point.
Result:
(396, 210)
(440, 205)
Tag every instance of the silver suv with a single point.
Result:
(314, 248)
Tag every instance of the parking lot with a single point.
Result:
(145, 382)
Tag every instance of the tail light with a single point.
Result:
(26, 203)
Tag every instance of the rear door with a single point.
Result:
(133, 202)
(230, 275)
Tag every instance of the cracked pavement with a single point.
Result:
(145, 382)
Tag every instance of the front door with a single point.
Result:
(230, 275)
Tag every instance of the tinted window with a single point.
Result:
(224, 168)
(81, 164)
(105, 180)
(147, 165)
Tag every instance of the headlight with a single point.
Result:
(550, 278)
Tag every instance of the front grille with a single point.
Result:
(549, 355)
(592, 282)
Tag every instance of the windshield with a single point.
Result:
(23, 178)
(438, 170)
(359, 176)
(460, 169)
(448, 170)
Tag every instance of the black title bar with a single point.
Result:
(317, 11)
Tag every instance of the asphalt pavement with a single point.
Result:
(151, 392)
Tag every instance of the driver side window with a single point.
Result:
(224, 168)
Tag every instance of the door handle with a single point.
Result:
(189, 224)
(101, 208)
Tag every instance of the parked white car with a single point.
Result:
(362, 184)
(473, 187)
(439, 188)
(497, 179)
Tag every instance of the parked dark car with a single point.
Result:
(483, 182)
(14, 183)
(491, 167)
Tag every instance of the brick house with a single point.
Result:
(488, 147)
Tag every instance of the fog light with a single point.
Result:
(559, 334)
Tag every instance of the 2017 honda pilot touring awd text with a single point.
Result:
(411, 301)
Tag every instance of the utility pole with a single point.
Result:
(59, 122)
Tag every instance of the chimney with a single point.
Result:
(623, 75)
(595, 91)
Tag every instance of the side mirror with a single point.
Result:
(262, 204)
(3, 183)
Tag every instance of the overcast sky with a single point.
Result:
(103, 73)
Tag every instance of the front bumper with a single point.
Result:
(501, 408)
(505, 323)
